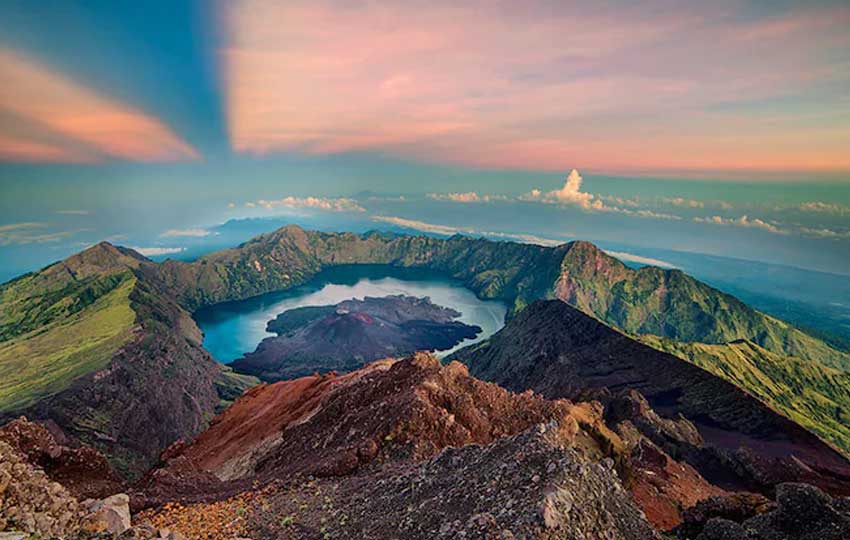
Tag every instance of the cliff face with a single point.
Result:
(556, 350)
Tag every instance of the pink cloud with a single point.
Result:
(75, 117)
(13, 148)
(528, 85)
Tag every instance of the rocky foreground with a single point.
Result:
(406, 449)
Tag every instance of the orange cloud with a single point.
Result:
(24, 150)
(80, 116)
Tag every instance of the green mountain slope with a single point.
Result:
(48, 359)
(63, 322)
(103, 343)
(649, 300)
(672, 304)
(97, 345)
(814, 396)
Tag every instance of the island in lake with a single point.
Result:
(345, 336)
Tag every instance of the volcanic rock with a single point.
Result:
(533, 485)
(82, 470)
(558, 351)
(346, 336)
(32, 503)
(110, 515)
(803, 512)
(333, 425)
(735, 507)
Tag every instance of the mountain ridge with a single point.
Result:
(556, 350)
(158, 298)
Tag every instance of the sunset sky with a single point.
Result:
(726, 121)
(625, 86)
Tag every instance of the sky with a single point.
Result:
(708, 127)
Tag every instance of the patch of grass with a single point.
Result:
(46, 360)
(811, 394)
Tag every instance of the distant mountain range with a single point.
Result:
(104, 345)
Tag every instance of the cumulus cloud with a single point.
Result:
(823, 207)
(155, 250)
(341, 204)
(421, 225)
(468, 197)
(743, 221)
(631, 257)
(647, 214)
(448, 230)
(174, 233)
(681, 201)
(390, 199)
(824, 233)
(613, 199)
(570, 194)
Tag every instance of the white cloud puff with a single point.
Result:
(681, 201)
(175, 233)
(743, 221)
(468, 197)
(341, 204)
(631, 257)
(570, 194)
(828, 208)
(154, 251)
(824, 233)
(449, 230)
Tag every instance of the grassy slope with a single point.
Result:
(671, 304)
(68, 319)
(815, 396)
(48, 358)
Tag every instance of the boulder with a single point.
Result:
(110, 515)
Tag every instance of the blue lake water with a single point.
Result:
(234, 328)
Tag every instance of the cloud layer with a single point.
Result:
(174, 233)
(539, 85)
(157, 250)
(338, 204)
(448, 230)
(32, 232)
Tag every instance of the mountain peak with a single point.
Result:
(103, 256)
